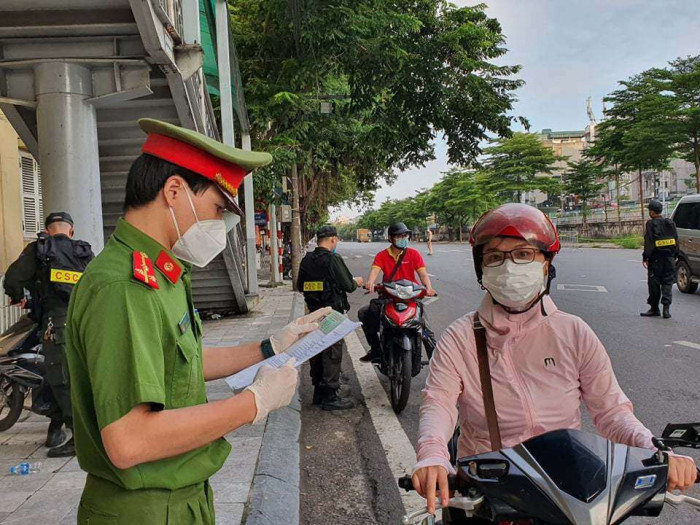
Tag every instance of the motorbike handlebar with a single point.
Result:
(454, 482)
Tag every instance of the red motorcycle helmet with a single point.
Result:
(514, 220)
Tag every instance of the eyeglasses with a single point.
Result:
(518, 256)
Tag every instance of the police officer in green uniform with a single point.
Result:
(48, 269)
(325, 281)
(144, 431)
(659, 258)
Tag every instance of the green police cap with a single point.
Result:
(225, 165)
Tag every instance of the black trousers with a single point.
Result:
(661, 275)
(325, 369)
(370, 315)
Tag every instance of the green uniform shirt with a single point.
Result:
(129, 343)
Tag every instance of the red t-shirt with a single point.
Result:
(412, 262)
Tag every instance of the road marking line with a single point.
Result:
(582, 288)
(397, 447)
(688, 344)
(358, 256)
(430, 275)
(430, 300)
(345, 257)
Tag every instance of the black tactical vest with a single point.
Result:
(317, 283)
(61, 264)
(663, 235)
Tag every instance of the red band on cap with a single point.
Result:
(227, 175)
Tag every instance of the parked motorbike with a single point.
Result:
(21, 373)
(563, 477)
(400, 337)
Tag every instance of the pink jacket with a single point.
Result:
(541, 368)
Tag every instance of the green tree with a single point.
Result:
(396, 75)
(520, 164)
(682, 79)
(608, 152)
(582, 180)
(642, 116)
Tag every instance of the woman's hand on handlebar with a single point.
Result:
(682, 472)
(427, 479)
(369, 287)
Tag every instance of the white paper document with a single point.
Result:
(334, 327)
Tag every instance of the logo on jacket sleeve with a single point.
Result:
(549, 361)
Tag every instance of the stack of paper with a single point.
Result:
(334, 327)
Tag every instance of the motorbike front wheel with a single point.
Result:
(11, 403)
(400, 381)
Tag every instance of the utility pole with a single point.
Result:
(296, 225)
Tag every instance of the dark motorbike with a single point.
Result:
(564, 477)
(21, 373)
(400, 337)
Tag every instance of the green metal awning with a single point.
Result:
(207, 22)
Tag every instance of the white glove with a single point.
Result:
(273, 388)
(291, 333)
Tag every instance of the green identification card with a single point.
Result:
(332, 321)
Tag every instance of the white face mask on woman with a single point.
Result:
(514, 285)
(203, 241)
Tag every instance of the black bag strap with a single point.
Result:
(486, 385)
(397, 266)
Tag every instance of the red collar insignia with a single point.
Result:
(169, 267)
(143, 270)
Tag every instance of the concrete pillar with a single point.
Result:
(251, 258)
(68, 150)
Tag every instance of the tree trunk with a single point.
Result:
(617, 197)
(585, 222)
(641, 197)
(460, 228)
(296, 226)
(696, 146)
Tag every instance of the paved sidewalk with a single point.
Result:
(51, 496)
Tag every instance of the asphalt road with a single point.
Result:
(348, 461)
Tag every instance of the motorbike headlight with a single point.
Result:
(404, 292)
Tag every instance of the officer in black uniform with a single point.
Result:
(659, 258)
(49, 268)
(325, 280)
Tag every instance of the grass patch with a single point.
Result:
(632, 242)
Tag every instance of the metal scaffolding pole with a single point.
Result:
(68, 149)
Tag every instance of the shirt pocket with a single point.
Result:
(186, 371)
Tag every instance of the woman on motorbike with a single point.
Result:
(542, 361)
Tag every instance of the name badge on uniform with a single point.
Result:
(665, 242)
(313, 286)
(65, 276)
(184, 323)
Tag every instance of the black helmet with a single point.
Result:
(655, 206)
(398, 229)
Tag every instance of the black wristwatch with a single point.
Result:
(266, 348)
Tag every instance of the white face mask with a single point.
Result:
(203, 241)
(514, 285)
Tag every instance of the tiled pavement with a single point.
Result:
(51, 496)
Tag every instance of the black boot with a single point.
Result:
(667, 311)
(652, 312)
(66, 450)
(318, 396)
(371, 356)
(55, 436)
(335, 402)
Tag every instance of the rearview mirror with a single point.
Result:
(682, 435)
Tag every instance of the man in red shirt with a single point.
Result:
(385, 262)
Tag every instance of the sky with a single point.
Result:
(570, 50)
